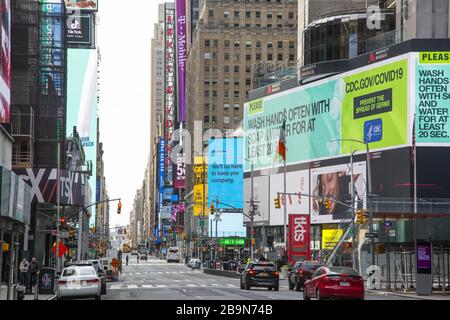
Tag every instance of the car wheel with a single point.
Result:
(269, 288)
(247, 286)
(318, 295)
(242, 285)
(305, 295)
(98, 297)
(291, 285)
(276, 288)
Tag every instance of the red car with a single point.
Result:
(334, 282)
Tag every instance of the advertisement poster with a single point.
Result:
(261, 197)
(367, 104)
(161, 155)
(200, 189)
(181, 58)
(335, 182)
(331, 234)
(225, 173)
(91, 5)
(433, 99)
(82, 104)
(424, 256)
(299, 238)
(180, 170)
(79, 29)
(5, 62)
(296, 182)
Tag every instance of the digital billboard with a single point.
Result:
(432, 96)
(225, 173)
(5, 61)
(334, 182)
(91, 5)
(181, 58)
(79, 29)
(261, 197)
(351, 105)
(82, 104)
(296, 182)
(200, 187)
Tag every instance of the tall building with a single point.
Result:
(232, 40)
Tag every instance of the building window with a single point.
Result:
(291, 57)
(248, 69)
(236, 94)
(227, 43)
(236, 107)
(258, 44)
(236, 69)
(206, 82)
(237, 120)
(247, 25)
(236, 14)
(236, 56)
(214, 93)
(214, 69)
(206, 106)
(291, 44)
(248, 57)
(206, 119)
(280, 57)
(269, 25)
(248, 43)
(248, 14)
(258, 57)
(280, 45)
(279, 15)
(227, 56)
(258, 25)
(211, 14)
(258, 14)
(226, 120)
(280, 26)
(236, 83)
(226, 68)
(226, 82)
(236, 25)
(206, 93)
(269, 15)
(226, 94)
(226, 106)
(248, 82)
(269, 45)
(206, 68)
(215, 43)
(207, 55)
(207, 43)
(291, 15)
(214, 55)
(226, 14)
(269, 56)
(214, 119)
(237, 43)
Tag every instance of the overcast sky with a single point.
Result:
(124, 34)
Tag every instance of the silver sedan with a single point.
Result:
(79, 282)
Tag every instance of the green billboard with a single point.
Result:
(367, 104)
(82, 107)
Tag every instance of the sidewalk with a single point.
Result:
(3, 295)
(437, 296)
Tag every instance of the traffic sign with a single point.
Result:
(115, 263)
(371, 235)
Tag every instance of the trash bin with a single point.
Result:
(47, 281)
(226, 265)
(20, 292)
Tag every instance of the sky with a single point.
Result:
(124, 35)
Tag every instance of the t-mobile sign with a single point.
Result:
(299, 237)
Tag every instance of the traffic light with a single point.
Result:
(71, 233)
(212, 208)
(360, 217)
(119, 207)
(327, 204)
(277, 202)
(62, 221)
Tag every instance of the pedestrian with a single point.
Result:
(24, 268)
(34, 271)
(126, 259)
(137, 257)
(270, 242)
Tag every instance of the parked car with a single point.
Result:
(301, 272)
(195, 263)
(108, 270)
(334, 282)
(99, 269)
(134, 252)
(173, 255)
(260, 274)
(78, 281)
(143, 256)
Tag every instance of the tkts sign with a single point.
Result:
(299, 237)
(44, 186)
(169, 122)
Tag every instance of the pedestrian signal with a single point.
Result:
(119, 207)
(277, 202)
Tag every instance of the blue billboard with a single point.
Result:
(225, 173)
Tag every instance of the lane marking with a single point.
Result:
(147, 286)
(132, 286)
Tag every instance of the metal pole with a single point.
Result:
(252, 213)
(285, 210)
(203, 209)
(352, 186)
(80, 234)
(369, 190)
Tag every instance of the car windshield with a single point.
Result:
(79, 271)
(343, 271)
(173, 250)
(265, 266)
(311, 266)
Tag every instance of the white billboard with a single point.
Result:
(260, 196)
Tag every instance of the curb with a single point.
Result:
(222, 273)
(415, 297)
(52, 297)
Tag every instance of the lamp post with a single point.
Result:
(368, 188)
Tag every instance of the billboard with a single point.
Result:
(225, 173)
(335, 182)
(432, 96)
(82, 104)
(340, 107)
(79, 29)
(200, 187)
(260, 195)
(161, 154)
(180, 169)
(181, 58)
(331, 234)
(5, 61)
(299, 238)
(91, 5)
(170, 89)
(296, 182)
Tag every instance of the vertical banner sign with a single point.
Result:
(181, 57)
(161, 178)
(5, 62)
(299, 234)
(200, 170)
(432, 98)
(169, 89)
(180, 169)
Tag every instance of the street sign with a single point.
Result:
(371, 235)
(387, 224)
(115, 263)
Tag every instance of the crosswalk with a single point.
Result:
(124, 286)
(161, 272)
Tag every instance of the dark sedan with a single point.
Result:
(301, 272)
(260, 274)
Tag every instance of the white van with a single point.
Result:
(174, 255)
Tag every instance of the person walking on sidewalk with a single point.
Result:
(24, 268)
(126, 259)
(34, 271)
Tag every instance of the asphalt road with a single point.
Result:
(156, 279)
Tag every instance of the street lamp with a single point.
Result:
(368, 188)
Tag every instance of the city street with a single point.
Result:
(156, 279)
